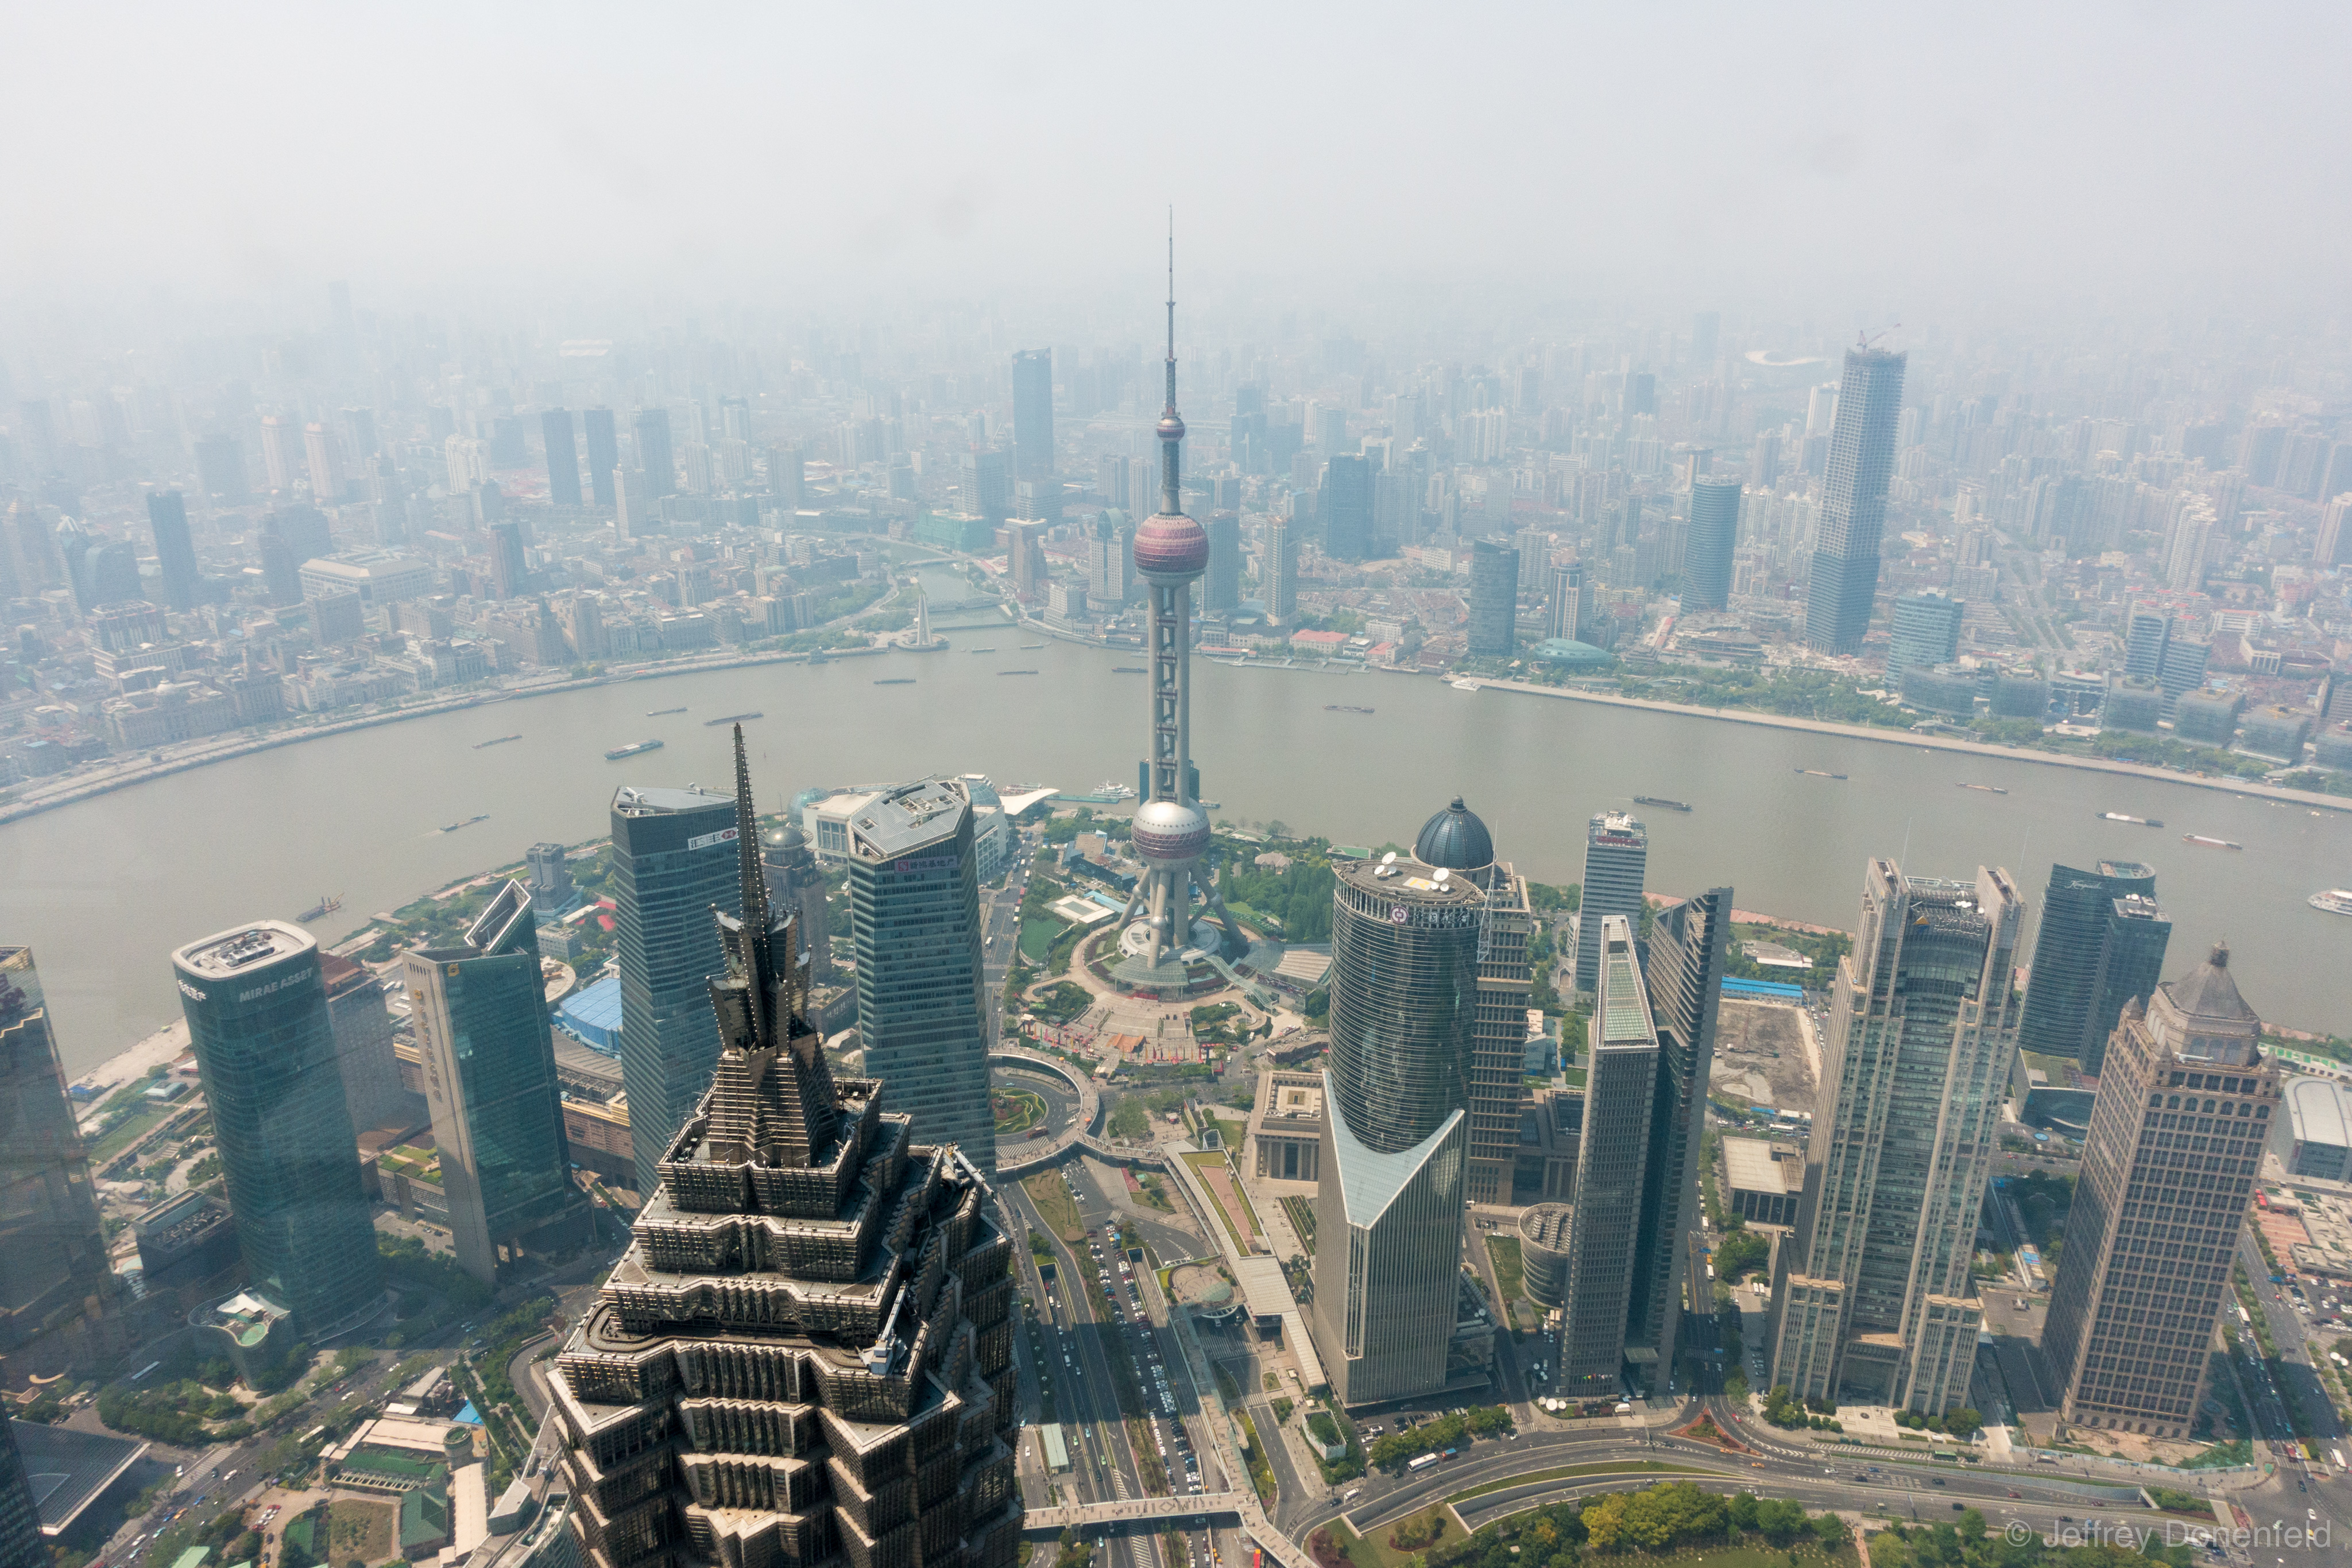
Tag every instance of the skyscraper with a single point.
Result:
(2074, 994)
(670, 868)
(983, 487)
(1494, 600)
(562, 457)
(787, 476)
(1873, 1302)
(2176, 1142)
(257, 1011)
(1564, 602)
(1107, 563)
(1616, 858)
(1612, 1157)
(1926, 632)
(1394, 1145)
(1032, 413)
(1457, 840)
(21, 1546)
(480, 1012)
(175, 552)
(325, 460)
(604, 452)
(1221, 591)
(1854, 500)
(806, 1353)
(655, 460)
(1714, 533)
(365, 1057)
(1345, 507)
(57, 1277)
(1684, 983)
(510, 572)
(1279, 566)
(922, 1010)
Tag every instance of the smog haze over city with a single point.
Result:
(1071, 787)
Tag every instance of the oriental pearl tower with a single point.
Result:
(1170, 831)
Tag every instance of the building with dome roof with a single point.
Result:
(2185, 1105)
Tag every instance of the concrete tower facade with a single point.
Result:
(1616, 859)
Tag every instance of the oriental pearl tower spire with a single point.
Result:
(1170, 831)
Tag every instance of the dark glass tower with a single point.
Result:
(2131, 964)
(1459, 840)
(1686, 982)
(805, 1357)
(672, 864)
(175, 552)
(1345, 507)
(21, 1546)
(922, 1008)
(1612, 1162)
(654, 457)
(2066, 1000)
(257, 1011)
(481, 1010)
(1714, 533)
(1854, 500)
(1494, 600)
(1032, 413)
(1221, 590)
(56, 1275)
(562, 457)
(604, 452)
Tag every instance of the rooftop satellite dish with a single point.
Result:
(1441, 874)
(1388, 859)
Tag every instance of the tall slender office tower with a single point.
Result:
(1686, 982)
(257, 1011)
(1564, 602)
(1494, 630)
(1032, 413)
(787, 480)
(56, 1275)
(604, 452)
(21, 1546)
(922, 1005)
(480, 1012)
(1616, 858)
(1344, 508)
(1394, 1147)
(1873, 1301)
(323, 455)
(365, 1056)
(2176, 1142)
(2100, 945)
(655, 458)
(672, 865)
(175, 552)
(562, 457)
(1457, 840)
(1714, 533)
(806, 1355)
(1612, 1163)
(1854, 500)
(1280, 567)
(1221, 591)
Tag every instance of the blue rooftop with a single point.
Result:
(593, 1016)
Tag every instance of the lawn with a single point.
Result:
(359, 1529)
(1504, 1252)
(1302, 1220)
(1038, 937)
(1055, 1207)
(1374, 1551)
(1613, 1468)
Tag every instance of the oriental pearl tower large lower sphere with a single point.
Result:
(1170, 831)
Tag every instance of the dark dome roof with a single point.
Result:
(1455, 838)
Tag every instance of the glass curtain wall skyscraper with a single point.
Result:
(175, 552)
(480, 1012)
(1873, 1301)
(2089, 958)
(922, 1008)
(597, 432)
(257, 1011)
(56, 1275)
(1854, 500)
(1612, 1157)
(1394, 1142)
(1457, 840)
(673, 863)
(1616, 859)
(1714, 535)
(1032, 413)
(1493, 630)
(562, 457)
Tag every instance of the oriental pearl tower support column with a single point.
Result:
(1170, 831)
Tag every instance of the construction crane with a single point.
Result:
(1869, 338)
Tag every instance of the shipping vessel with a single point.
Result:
(1128, 670)
(2136, 821)
(1816, 773)
(897, 681)
(658, 711)
(328, 903)
(453, 827)
(496, 740)
(2335, 901)
(2204, 842)
(731, 718)
(632, 750)
(1661, 803)
(1016, 672)
(1344, 708)
(1988, 789)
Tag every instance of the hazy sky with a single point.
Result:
(2156, 152)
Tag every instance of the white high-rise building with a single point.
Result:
(1616, 858)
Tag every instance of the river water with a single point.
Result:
(105, 889)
